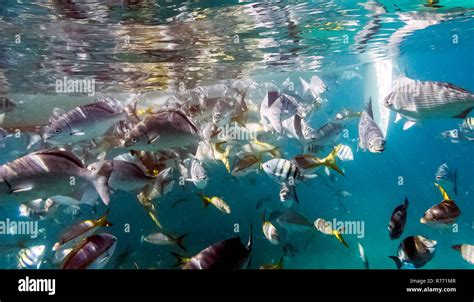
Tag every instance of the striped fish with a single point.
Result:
(275, 108)
(418, 100)
(31, 258)
(94, 252)
(467, 252)
(282, 170)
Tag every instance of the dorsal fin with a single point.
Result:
(272, 97)
(368, 108)
(64, 154)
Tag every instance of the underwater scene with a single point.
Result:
(222, 135)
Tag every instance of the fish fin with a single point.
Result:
(205, 200)
(154, 217)
(368, 108)
(180, 260)
(464, 113)
(397, 261)
(20, 189)
(457, 247)
(295, 195)
(57, 112)
(398, 117)
(33, 139)
(272, 97)
(340, 238)
(151, 141)
(102, 221)
(225, 158)
(330, 160)
(250, 242)
(455, 188)
(89, 196)
(179, 241)
(443, 192)
(102, 187)
(305, 85)
(406, 202)
(408, 125)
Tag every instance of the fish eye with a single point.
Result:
(58, 130)
(134, 140)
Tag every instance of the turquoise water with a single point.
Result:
(153, 47)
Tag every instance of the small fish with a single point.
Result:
(278, 265)
(370, 135)
(270, 232)
(293, 221)
(84, 122)
(165, 239)
(315, 86)
(467, 124)
(296, 127)
(310, 162)
(445, 176)
(345, 153)
(38, 209)
(327, 134)
(288, 195)
(163, 130)
(282, 171)
(363, 256)
(257, 147)
(46, 174)
(467, 252)
(346, 114)
(326, 228)
(442, 214)
(31, 258)
(275, 108)
(398, 220)
(414, 252)
(417, 100)
(193, 171)
(433, 4)
(246, 164)
(94, 252)
(224, 255)
(219, 203)
(77, 232)
(7, 105)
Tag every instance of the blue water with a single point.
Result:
(187, 42)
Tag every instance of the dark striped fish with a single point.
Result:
(414, 252)
(84, 122)
(442, 214)
(31, 257)
(225, 255)
(418, 100)
(275, 108)
(398, 220)
(282, 171)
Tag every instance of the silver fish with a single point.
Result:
(363, 256)
(467, 252)
(344, 115)
(296, 127)
(283, 171)
(161, 238)
(445, 176)
(370, 135)
(327, 134)
(288, 195)
(38, 209)
(31, 258)
(270, 232)
(293, 221)
(423, 100)
(193, 171)
(94, 252)
(45, 174)
(84, 122)
(414, 252)
(163, 130)
(275, 108)
(315, 86)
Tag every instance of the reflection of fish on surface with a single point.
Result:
(371, 29)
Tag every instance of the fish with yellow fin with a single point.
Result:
(278, 265)
(442, 214)
(218, 202)
(309, 161)
(326, 228)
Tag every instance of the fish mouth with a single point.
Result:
(378, 150)
(423, 220)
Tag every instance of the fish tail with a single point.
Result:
(155, 219)
(180, 260)
(280, 262)
(406, 202)
(305, 85)
(205, 200)
(275, 152)
(457, 247)
(340, 238)
(179, 241)
(225, 158)
(100, 180)
(330, 160)
(397, 261)
(443, 192)
(103, 220)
